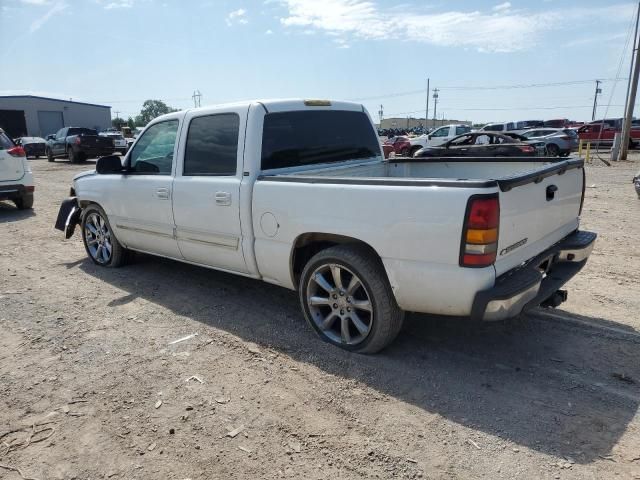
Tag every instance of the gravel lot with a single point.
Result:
(91, 388)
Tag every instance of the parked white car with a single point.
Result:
(513, 127)
(439, 136)
(297, 193)
(16, 179)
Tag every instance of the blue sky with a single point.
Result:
(121, 52)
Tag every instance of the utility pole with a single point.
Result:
(196, 98)
(632, 90)
(117, 112)
(426, 114)
(381, 114)
(595, 99)
(435, 105)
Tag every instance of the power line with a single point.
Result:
(489, 87)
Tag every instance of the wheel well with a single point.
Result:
(308, 244)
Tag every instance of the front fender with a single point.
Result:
(68, 216)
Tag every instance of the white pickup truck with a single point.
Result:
(438, 137)
(297, 193)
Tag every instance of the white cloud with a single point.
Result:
(502, 7)
(237, 16)
(500, 30)
(119, 4)
(36, 2)
(55, 9)
(269, 32)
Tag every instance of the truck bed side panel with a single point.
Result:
(415, 230)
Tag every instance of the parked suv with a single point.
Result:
(560, 142)
(16, 179)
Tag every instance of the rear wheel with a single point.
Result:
(553, 150)
(414, 150)
(72, 156)
(49, 155)
(404, 152)
(347, 299)
(25, 202)
(101, 244)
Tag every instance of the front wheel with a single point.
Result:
(347, 299)
(101, 244)
(72, 156)
(49, 155)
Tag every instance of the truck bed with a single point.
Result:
(473, 172)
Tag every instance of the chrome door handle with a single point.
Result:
(163, 193)
(223, 198)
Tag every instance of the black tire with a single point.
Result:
(413, 151)
(72, 156)
(50, 155)
(385, 318)
(25, 202)
(553, 150)
(118, 255)
(37, 157)
(404, 152)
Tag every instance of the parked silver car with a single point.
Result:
(560, 142)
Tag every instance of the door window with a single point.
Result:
(61, 133)
(441, 132)
(462, 129)
(212, 145)
(153, 153)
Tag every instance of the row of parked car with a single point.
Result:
(508, 139)
(75, 143)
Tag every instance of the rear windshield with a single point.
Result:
(5, 142)
(81, 131)
(292, 139)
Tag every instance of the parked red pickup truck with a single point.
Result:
(602, 134)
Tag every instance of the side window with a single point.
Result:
(212, 145)
(441, 132)
(153, 153)
(498, 127)
(461, 130)
(511, 126)
(61, 133)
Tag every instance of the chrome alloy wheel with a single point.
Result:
(340, 304)
(98, 238)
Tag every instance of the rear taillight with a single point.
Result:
(78, 141)
(17, 152)
(480, 232)
(526, 148)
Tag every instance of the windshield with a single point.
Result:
(5, 142)
(292, 139)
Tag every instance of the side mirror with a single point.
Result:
(109, 164)
(51, 136)
(429, 137)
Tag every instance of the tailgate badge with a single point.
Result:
(511, 248)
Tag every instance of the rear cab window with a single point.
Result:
(300, 138)
(462, 129)
(81, 131)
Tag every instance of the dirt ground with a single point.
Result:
(91, 387)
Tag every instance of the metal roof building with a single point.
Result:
(30, 115)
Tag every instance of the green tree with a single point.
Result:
(152, 109)
(118, 122)
(131, 123)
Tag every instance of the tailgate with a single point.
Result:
(11, 168)
(95, 141)
(537, 210)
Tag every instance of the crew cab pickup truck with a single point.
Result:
(78, 144)
(601, 134)
(298, 194)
